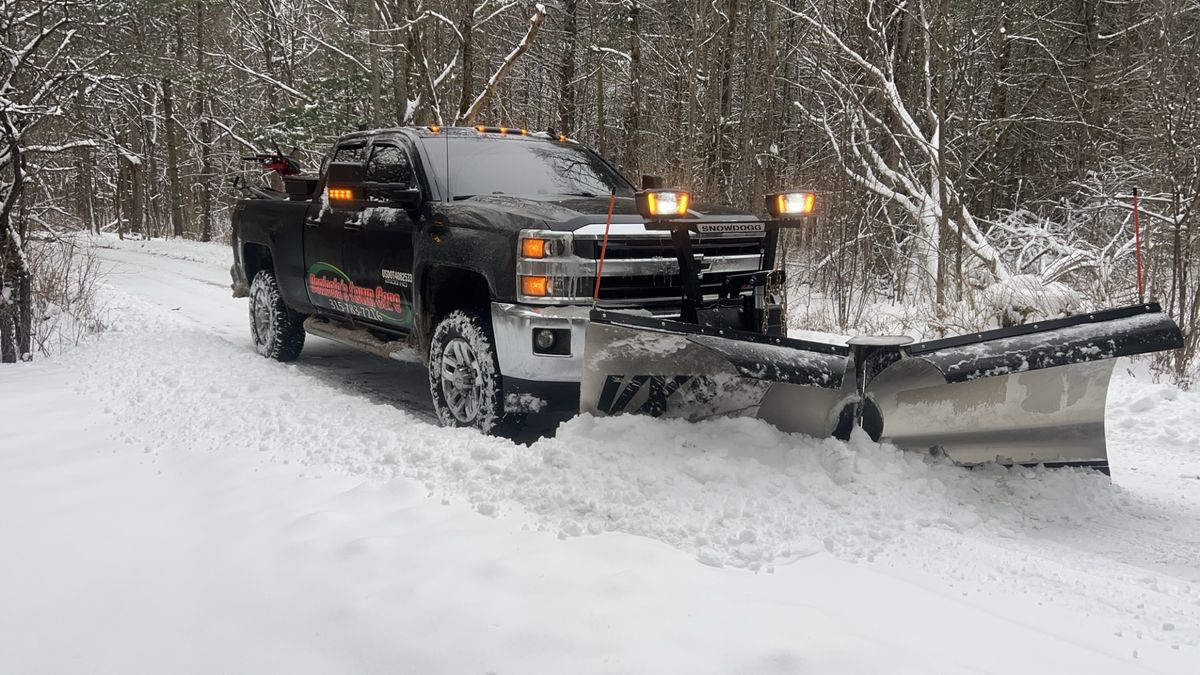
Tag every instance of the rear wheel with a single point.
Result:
(464, 375)
(278, 332)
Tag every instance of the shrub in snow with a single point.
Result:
(65, 306)
(1025, 297)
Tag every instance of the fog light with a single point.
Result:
(544, 339)
(552, 341)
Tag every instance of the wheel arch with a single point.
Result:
(441, 289)
(256, 258)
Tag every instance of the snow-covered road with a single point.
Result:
(174, 503)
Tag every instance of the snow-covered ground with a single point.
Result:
(174, 503)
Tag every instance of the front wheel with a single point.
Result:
(277, 331)
(464, 375)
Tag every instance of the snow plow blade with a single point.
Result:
(661, 367)
(1030, 394)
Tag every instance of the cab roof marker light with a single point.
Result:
(433, 128)
(503, 131)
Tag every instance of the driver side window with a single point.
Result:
(389, 164)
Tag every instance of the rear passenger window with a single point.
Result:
(389, 164)
(350, 154)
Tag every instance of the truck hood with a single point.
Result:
(566, 213)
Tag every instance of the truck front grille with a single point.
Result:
(664, 291)
(622, 248)
(653, 290)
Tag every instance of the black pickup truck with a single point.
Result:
(476, 249)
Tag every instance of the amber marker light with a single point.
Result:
(435, 129)
(535, 286)
(341, 194)
(533, 248)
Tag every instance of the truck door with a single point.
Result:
(333, 214)
(379, 255)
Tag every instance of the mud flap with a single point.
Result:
(1031, 394)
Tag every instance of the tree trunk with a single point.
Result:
(722, 159)
(376, 75)
(174, 191)
(770, 128)
(1091, 32)
(16, 317)
(566, 89)
(601, 118)
(998, 106)
(133, 183)
(401, 65)
(633, 117)
(941, 78)
(202, 115)
(205, 175)
(467, 58)
(85, 205)
(149, 185)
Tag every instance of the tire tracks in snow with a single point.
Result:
(168, 285)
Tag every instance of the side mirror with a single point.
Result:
(346, 174)
(651, 182)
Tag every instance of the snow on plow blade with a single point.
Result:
(659, 367)
(1030, 394)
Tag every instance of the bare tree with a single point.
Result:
(36, 75)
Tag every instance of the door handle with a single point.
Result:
(353, 227)
(311, 222)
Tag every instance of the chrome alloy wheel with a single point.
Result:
(260, 314)
(462, 380)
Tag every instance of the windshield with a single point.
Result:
(486, 165)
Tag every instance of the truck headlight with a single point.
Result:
(548, 271)
(791, 204)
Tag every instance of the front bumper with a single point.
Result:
(536, 382)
